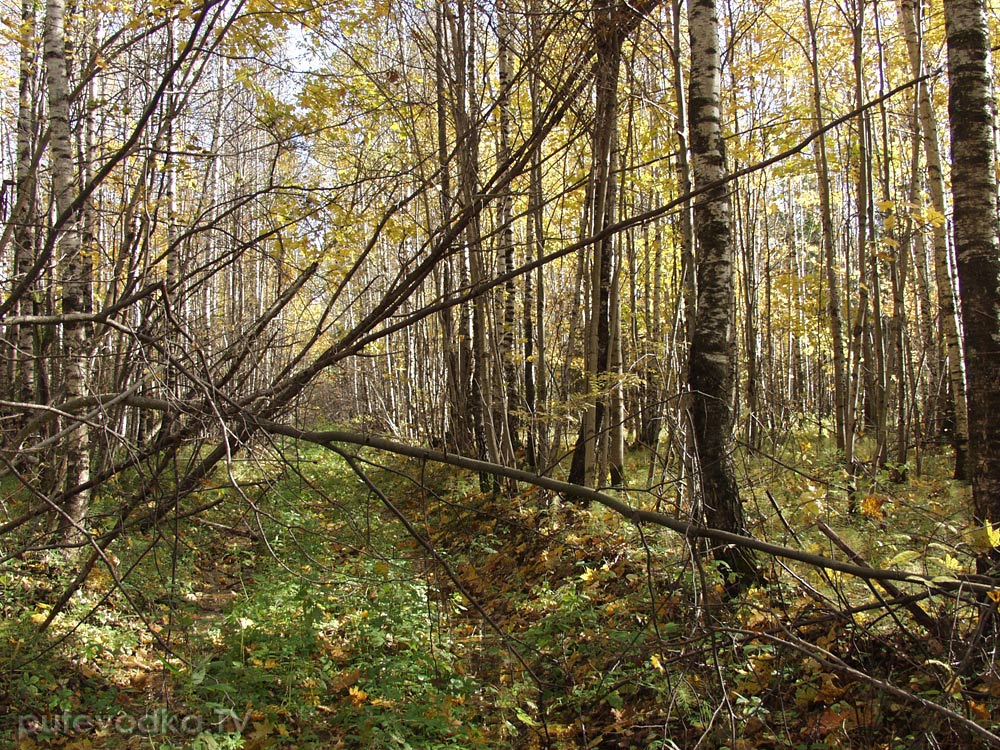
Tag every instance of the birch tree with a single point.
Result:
(74, 275)
(710, 369)
(942, 272)
(972, 111)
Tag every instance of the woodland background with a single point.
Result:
(507, 374)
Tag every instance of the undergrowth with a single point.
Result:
(300, 614)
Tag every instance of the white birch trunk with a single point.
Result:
(71, 266)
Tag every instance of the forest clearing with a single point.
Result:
(499, 373)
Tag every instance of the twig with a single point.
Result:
(834, 664)
(927, 622)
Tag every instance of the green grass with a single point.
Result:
(299, 614)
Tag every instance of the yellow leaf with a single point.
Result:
(655, 661)
(358, 695)
(992, 535)
(936, 218)
(812, 509)
(980, 711)
(871, 507)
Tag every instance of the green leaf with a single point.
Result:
(904, 557)
(524, 718)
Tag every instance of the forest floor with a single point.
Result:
(300, 613)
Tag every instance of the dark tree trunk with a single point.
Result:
(974, 187)
(604, 184)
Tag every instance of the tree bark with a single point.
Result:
(510, 440)
(454, 431)
(972, 111)
(609, 36)
(942, 272)
(710, 370)
(24, 217)
(535, 377)
(73, 270)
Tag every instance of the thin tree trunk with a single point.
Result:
(454, 432)
(841, 385)
(688, 293)
(616, 400)
(509, 439)
(689, 284)
(24, 353)
(536, 366)
(467, 134)
(710, 371)
(609, 39)
(893, 353)
(752, 394)
(175, 269)
(652, 362)
(72, 268)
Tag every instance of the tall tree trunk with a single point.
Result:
(710, 370)
(841, 384)
(453, 424)
(467, 417)
(609, 35)
(616, 400)
(689, 286)
(866, 335)
(972, 111)
(942, 272)
(752, 393)
(72, 269)
(467, 134)
(688, 307)
(175, 268)
(509, 438)
(651, 364)
(534, 348)
(24, 218)
(893, 358)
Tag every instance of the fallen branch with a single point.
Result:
(927, 622)
(327, 438)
